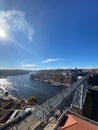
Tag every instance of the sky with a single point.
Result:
(48, 34)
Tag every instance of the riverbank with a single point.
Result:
(58, 78)
(12, 72)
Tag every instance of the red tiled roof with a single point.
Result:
(70, 121)
(76, 123)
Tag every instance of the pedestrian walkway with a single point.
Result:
(51, 124)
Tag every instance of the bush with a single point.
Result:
(31, 99)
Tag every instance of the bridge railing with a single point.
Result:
(15, 121)
(55, 101)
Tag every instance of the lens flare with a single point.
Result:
(3, 34)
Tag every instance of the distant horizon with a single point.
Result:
(47, 69)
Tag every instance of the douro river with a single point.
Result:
(22, 86)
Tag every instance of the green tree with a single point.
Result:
(32, 99)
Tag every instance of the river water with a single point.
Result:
(26, 87)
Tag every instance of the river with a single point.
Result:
(26, 87)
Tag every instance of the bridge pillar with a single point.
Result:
(79, 96)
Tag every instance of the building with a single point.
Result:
(72, 121)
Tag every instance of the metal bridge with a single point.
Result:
(31, 119)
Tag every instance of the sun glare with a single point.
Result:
(3, 34)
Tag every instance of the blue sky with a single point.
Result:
(45, 34)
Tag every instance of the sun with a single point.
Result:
(3, 34)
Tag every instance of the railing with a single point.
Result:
(14, 121)
(54, 102)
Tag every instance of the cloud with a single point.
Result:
(13, 21)
(28, 65)
(22, 62)
(51, 60)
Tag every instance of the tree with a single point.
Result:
(32, 99)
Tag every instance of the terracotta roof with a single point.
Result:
(76, 123)
(70, 121)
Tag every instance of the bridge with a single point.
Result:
(32, 119)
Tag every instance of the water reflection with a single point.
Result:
(21, 85)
